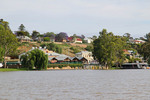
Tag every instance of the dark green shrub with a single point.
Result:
(46, 39)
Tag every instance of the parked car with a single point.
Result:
(1, 64)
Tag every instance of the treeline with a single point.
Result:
(48, 36)
(108, 49)
(144, 49)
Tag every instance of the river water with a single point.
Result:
(75, 85)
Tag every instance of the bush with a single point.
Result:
(35, 58)
(46, 39)
(89, 48)
(74, 50)
(38, 41)
(64, 65)
(54, 47)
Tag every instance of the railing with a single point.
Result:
(66, 63)
(12, 63)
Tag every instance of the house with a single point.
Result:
(38, 39)
(85, 54)
(70, 39)
(52, 60)
(24, 39)
(136, 41)
(77, 40)
(83, 60)
(67, 59)
(88, 40)
(131, 54)
(54, 57)
(139, 41)
(74, 40)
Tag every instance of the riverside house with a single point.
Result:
(86, 54)
(54, 57)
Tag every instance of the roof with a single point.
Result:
(73, 58)
(78, 39)
(53, 54)
(81, 58)
(59, 56)
(24, 37)
(70, 38)
(88, 38)
(50, 58)
(139, 41)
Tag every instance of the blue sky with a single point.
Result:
(86, 17)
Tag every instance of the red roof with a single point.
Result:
(137, 41)
(78, 39)
(70, 38)
(125, 50)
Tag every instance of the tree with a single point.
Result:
(106, 48)
(49, 34)
(147, 37)
(9, 42)
(1, 54)
(74, 36)
(21, 27)
(82, 37)
(22, 31)
(144, 49)
(127, 35)
(120, 44)
(59, 37)
(35, 58)
(35, 34)
(94, 37)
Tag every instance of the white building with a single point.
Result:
(136, 41)
(24, 39)
(85, 54)
(88, 40)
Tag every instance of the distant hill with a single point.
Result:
(67, 48)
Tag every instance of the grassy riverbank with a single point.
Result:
(114, 68)
(24, 69)
(11, 69)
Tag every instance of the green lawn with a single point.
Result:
(10, 69)
(114, 68)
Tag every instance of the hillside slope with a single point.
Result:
(67, 48)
